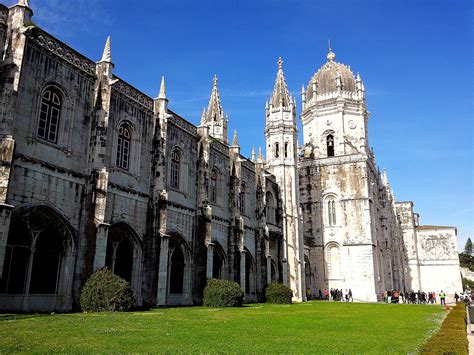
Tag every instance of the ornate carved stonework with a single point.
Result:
(61, 50)
(183, 124)
(133, 94)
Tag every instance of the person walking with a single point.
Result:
(442, 297)
(456, 297)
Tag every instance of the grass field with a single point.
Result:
(307, 327)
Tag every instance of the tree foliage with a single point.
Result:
(468, 247)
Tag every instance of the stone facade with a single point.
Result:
(95, 173)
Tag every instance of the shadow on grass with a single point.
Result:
(17, 316)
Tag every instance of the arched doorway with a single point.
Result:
(123, 255)
(177, 271)
(39, 261)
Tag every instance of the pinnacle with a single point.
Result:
(162, 94)
(214, 112)
(23, 3)
(235, 141)
(280, 96)
(107, 54)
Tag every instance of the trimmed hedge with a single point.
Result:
(223, 293)
(451, 338)
(278, 293)
(105, 291)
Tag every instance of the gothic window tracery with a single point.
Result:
(175, 168)
(50, 114)
(214, 185)
(331, 211)
(124, 146)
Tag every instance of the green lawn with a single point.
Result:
(307, 327)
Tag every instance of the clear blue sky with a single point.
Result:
(415, 57)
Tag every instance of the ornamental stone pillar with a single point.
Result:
(163, 271)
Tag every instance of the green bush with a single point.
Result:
(278, 293)
(105, 291)
(223, 293)
(452, 336)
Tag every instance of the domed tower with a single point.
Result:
(334, 115)
(338, 185)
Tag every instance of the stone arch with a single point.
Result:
(39, 261)
(219, 261)
(274, 271)
(179, 269)
(250, 275)
(124, 254)
(333, 263)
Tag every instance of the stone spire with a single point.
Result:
(107, 54)
(214, 111)
(162, 94)
(214, 117)
(235, 141)
(260, 155)
(280, 96)
(253, 153)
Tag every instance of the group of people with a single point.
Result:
(412, 297)
(333, 294)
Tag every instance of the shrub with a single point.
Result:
(223, 293)
(278, 293)
(452, 336)
(105, 291)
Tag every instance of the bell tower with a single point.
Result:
(281, 135)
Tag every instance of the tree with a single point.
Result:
(468, 247)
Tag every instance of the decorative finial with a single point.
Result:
(331, 55)
(215, 80)
(253, 153)
(260, 154)
(235, 141)
(162, 94)
(23, 3)
(280, 63)
(107, 54)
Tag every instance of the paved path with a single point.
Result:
(470, 338)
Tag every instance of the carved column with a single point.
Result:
(242, 271)
(5, 213)
(210, 260)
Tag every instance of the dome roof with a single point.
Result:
(326, 78)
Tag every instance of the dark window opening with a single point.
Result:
(216, 265)
(123, 147)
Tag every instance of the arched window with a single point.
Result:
(286, 149)
(175, 168)
(50, 113)
(242, 199)
(123, 146)
(330, 145)
(277, 150)
(214, 185)
(270, 207)
(331, 211)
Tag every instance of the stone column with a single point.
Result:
(210, 260)
(163, 271)
(242, 271)
(101, 245)
(5, 212)
(269, 269)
